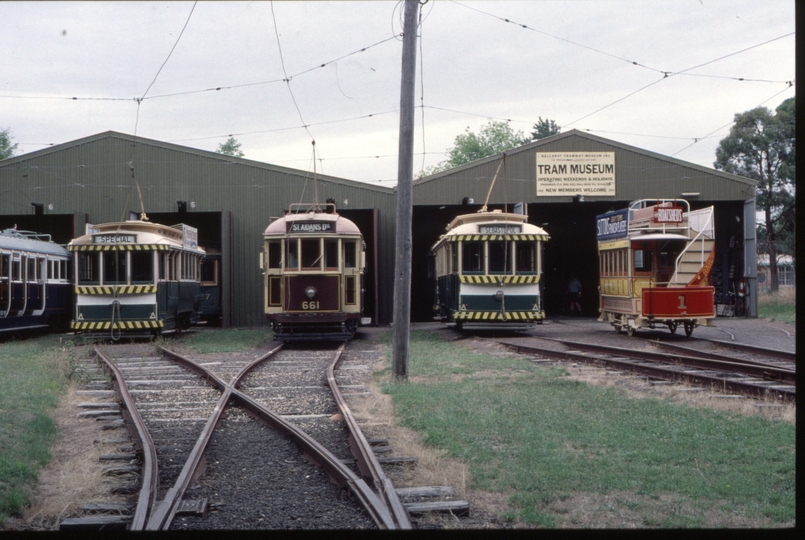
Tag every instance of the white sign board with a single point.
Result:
(566, 174)
(189, 237)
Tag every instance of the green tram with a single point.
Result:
(136, 279)
(486, 272)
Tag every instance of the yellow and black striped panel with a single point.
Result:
(499, 316)
(497, 237)
(119, 247)
(500, 280)
(119, 325)
(115, 289)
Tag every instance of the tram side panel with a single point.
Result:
(34, 282)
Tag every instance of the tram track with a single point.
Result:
(741, 377)
(229, 392)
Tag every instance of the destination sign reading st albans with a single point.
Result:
(311, 227)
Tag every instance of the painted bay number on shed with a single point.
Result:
(310, 305)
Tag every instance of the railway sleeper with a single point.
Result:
(95, 523)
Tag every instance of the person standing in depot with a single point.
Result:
(573, 294)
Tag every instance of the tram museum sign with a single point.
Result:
(563, 174)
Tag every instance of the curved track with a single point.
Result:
(209, 389)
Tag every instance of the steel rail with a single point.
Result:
(150, 471)
(717, 356)
(660, 372)
(363, 453)
(752, 369)
(338, 471)
(763, 351)
(162, 515)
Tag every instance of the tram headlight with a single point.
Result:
(311, 291)
(498, 295)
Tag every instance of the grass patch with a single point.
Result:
(227, 340)
(542, 438)
(779, 306)
(33, 376)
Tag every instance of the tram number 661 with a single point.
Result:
(310, 305)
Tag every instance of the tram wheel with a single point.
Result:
(688, 328)
(672, 326)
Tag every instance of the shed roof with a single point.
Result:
(639, 174)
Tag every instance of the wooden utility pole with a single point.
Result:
(405, 178)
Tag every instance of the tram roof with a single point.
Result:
(18, 241)
(148, 233)
(342, 224)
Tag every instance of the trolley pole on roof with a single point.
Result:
(405, 178)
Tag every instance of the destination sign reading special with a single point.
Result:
(500, 229)
(114, 239)
(563, 174)
(310, 227)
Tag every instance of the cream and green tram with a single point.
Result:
(485, 272)
(135, 278)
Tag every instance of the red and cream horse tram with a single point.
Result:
(655, 259)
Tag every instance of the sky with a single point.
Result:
(666, 76)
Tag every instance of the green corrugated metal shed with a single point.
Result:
(640, 174)
(92, 179)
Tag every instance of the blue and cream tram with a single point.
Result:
(314, 262)
(655, 259)
(486, 272)
(34, 282)
(136, 278)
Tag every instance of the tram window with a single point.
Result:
(66, 269)
(350, 254)
(189, 266)
(642, 260)
(472, 259)
(453, 258)
(500, 257)
(31, 268)
(291, 251)
(274, 254)
(88, 268)
(349, 290)
(142, 267)
(526, 257)
(16, 270)
(4, 266)
(209, 272)
(114, 267)
(330, 253)
(311, 253)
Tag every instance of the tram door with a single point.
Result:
(18, 287)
